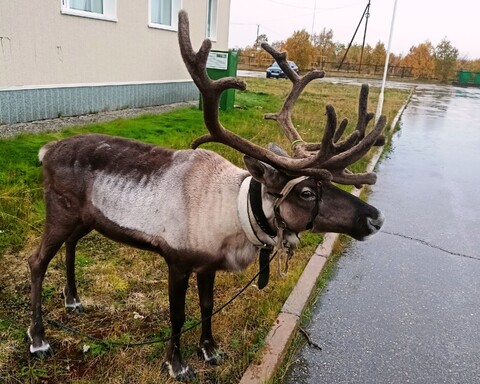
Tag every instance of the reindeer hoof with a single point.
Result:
(76, 307)
(183, 373)
(42, 352)
(72, 303)
(211, 356)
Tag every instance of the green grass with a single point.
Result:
(116, 281)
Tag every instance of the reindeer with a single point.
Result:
(160, 199)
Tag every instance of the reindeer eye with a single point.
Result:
(307, 194)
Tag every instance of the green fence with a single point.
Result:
(468, 78)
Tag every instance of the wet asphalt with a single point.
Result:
(399, 310)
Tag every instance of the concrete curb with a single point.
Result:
(282, 332)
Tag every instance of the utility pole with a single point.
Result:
(313, 20)
(256, 41)
(366, 10)
(367, 15)
(385, 70)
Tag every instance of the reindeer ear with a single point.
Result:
(265, 173)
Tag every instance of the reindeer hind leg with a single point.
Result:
(58, 228)
(38, 264)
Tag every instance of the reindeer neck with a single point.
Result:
(256, 215)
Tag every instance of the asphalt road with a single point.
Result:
(399, 310)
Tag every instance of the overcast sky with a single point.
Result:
(416, 21)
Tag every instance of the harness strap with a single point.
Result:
(255, 192)
(286, 190)
(243, 212)
(250, 200)
(264, 273)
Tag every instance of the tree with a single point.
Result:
(340, 49)
(352, 58)
(463, 64)
(420, 58)
(278, 45)
(445, 60)
(324, 46)
(259, 40)
(354, 54)
(300, 49)
(423, 61)
(379, 54)
(367, 54)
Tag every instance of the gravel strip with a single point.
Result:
(53, 125)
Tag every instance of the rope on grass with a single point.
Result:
(112, 343)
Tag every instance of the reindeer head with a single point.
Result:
(314, 202)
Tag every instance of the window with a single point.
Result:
(96, 9)
(212, 19)
(163, 14)
(95, 6)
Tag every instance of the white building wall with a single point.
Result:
(41, 46)
(54, 64)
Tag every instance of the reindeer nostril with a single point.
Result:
(376, 224)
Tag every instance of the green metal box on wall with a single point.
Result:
(223, 64)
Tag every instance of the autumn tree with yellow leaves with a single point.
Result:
(424, 61)
(379, 54)
(420, 59)
(300, 49)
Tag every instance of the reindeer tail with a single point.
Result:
(43, 151)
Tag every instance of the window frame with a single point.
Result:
(212, 15)
(176, 7)
(109, 11)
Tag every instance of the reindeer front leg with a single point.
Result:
(177, 289)
(70, 295)
(207, 348)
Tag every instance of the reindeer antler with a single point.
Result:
(327, 161)
(284, 117)
(211, 91)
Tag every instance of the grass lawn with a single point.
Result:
(123, 289)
